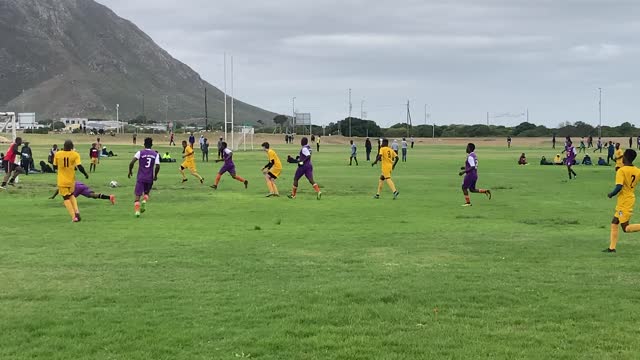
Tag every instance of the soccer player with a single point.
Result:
(305, 168)
(509, 142)
(571, 157)
(389, 159)
(66, 161)
(618, 157)
(94, 155)
(84, 190)
(354, 153)
(148, 169)
(9, 163)
(626, 179)
(470, 172)
(271, 170)
(229, 166)
(189, 162)
(404, 146)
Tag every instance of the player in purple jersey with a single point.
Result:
(229, 166)
(82, 189)
(147, 173)
(470, 172)
(571, 157)
(305, 168)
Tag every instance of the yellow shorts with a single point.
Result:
(623, 215)
(188, 165)
(386, 173)
(94, 161)
(275, 172)
(66, 190)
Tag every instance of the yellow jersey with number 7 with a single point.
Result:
(628, 177)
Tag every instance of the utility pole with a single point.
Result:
(143, 106)
(527, 115)
(225, 96)
(117, 115)
(487, 118)
(350, 106)
(206, 111)
(293, 113)
(362, 109)
(600, 112)
(408, 120)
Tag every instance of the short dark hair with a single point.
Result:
(630, 155)
(68, 145)
(471, 146)
(304, 141)
(148, 142)
(265, 145)
(385, 142)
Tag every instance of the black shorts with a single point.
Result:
(272, 176)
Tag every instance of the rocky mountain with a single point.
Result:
(77, 58)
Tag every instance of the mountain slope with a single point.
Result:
(78, 58)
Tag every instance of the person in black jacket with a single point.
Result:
(26, 159)
(367, 147)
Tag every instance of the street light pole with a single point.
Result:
(600, 113)
(350, 106)
(118, 116)
(293, 113)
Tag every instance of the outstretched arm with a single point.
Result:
(54, 195)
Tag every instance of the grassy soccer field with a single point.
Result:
(229, 274)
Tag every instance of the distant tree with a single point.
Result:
(58, 125)
(45, 122)
(522, 127)
(280, 119)
(260, 122)
(140, 119)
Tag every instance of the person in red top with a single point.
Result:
(9, 163)
(94, 155)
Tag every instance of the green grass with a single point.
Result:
(229, 274)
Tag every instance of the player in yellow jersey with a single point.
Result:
(626, 179)
(66, 161)
(272, 170)
(389, 159)
(189, 162)
(618, 155)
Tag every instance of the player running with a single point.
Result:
(189, 162)
(84, 190)
(571, 157)
(229, 166)
(272, 170)
(305, 168)
(12, 170)
(354, 153)
(148, 169)
(389, 159)
(66, 161)
(626, 179)
(470, 172)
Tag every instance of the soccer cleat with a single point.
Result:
(12, 183)
(143, 207)
(137, 213)
(270, 195)
(319, 195)
(214, 187)
(246, 184)
(607, 250)
(488, 194)
(395, 194)
(376, 196)
(112, 198)
(291, 196)
(202, 181)
(466, 204)
(184, 180)
(78, 216)
(75, 219)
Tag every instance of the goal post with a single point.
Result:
(243, 136)
(8, 121)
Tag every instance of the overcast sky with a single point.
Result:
(462, 58)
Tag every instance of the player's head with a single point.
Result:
(93, 145)
(148, 143)
(617, 146)
(471, 147)
(18, 140)
(223, 145)
(385, 142)
(265, 146)
(55, 146)
(304, 141)
(628, 156)
(404, 139)
(184, 143)
(68, 145)
(351, 142)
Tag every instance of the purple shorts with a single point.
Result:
(231, 169)
(304, 171)
(82, 190)
(469, 182)
(143, 188)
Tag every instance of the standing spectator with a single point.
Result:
(220, 148)
(599, 145)
(590, 141)
(26, 158)
(286, 140)
(135, 136)
(201, 141)
(192, 139)
(412, 141)
(638, 142)
(52, 153)
(610, 151)
(553, 141)
(367, 148)
(404, 149)
(98, 145)
(582, 147)
(171, 139)
(395, 146)
(354, 153)
(509, 142)
(630, 142)
(318, 144)
(205, 150)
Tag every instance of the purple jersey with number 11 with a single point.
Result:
(148, 159)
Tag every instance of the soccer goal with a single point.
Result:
(243, 138)
(8, 121)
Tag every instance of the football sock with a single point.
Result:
(136, 206)
(380, 184)
(316, 187)
(467, 199)
(633, 228)
(294, 191)
(145, 198)
(482, 191)
(74, 202)
(69, 206)
(104, 197)
(392, 186)
(197, 175)
(274, 188)
(239, 178)
(614, 236)
(218, 179)
(182, 173)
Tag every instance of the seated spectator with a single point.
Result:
(558, 160)
(45, 168)
(107, 153)
(167, 158)
(587, 160)
(544, 161)
(602, 162)
(522, 160)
